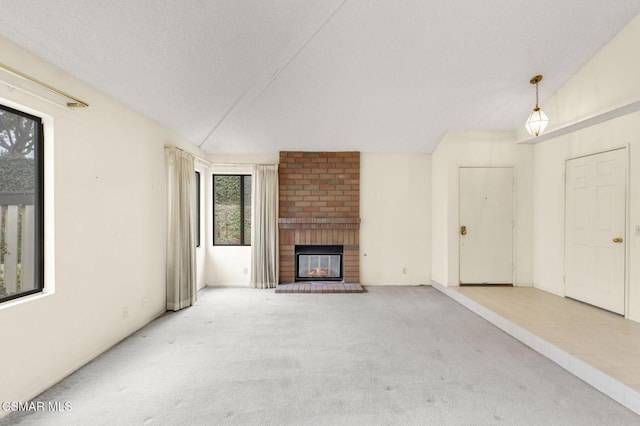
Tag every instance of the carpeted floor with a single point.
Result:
(393, 355)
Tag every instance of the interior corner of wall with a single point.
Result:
(633, 318)
(436, 284)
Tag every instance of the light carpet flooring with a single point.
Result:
(393, 355)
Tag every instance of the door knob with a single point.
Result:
(463, 230)
(617, 240)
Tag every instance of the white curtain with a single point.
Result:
(181, 260)
(264, 234)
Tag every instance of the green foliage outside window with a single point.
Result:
(232, 209)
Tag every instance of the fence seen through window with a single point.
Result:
(21, 209)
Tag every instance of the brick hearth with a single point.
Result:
(320, 205)
(319, 287)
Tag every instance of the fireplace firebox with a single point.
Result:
(319, 263)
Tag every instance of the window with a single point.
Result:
(232, 210)
(21, 204)
(197, 209)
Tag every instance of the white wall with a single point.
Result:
(229, 266)
(607, 81)
(201, 255)
(395, 208)
(478, 149)
(107, 198)
(391, 187)
(440, 214)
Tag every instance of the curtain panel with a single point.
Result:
(181, 256)
(264, 234)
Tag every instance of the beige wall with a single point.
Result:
(391, 187)
(609, 80)
(478, 149)
(201, 258)
(228, 266)
(105, 233)
(440, 215)
(395, 208)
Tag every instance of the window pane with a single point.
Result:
(232, 209)
(247, 210)
(19, 215)
(226, 201)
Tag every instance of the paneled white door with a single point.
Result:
(595, 229)
(486, 225)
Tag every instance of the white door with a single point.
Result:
(595, 225)
(486, 225)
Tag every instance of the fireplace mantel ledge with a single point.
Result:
(318, 220)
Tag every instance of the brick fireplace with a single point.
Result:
(319, 206)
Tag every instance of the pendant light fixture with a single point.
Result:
(538, 120)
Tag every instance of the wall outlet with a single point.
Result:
(245, 271)
(638, 230)
(404, 270)
(145, 301)
(125, 312)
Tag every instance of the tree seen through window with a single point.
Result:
(232, 209)
(20, 204)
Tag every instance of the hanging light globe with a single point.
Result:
(538, 120)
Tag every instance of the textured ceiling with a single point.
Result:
(240, 76)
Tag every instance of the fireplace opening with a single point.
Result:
(319, 263)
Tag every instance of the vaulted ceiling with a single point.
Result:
(251, 76)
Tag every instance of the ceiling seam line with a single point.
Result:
(224, 117)
(295, 55)
(274, 76)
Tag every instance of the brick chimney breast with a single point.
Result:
(319, 204)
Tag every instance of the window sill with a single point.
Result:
(19, 301)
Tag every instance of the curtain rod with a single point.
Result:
(12, 87)
(190, 153)
(74, 102)
(209, 163)
(244, 164)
